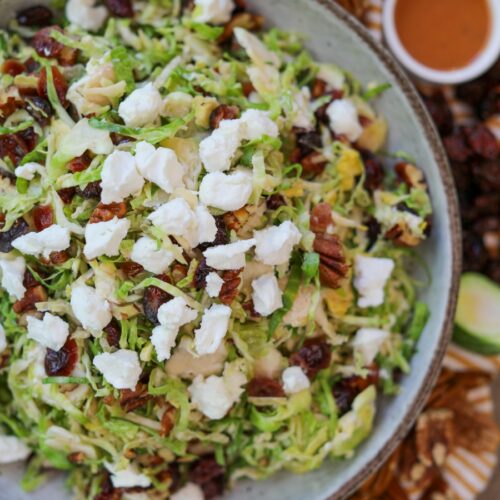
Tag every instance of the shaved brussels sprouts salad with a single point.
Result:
(205, 250)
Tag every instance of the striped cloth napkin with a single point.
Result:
(466, 473)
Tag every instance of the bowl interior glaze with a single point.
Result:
(333, 36)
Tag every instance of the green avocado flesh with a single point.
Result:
(478, 314)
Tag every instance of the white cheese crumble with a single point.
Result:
(151, 255)
(207, 227)
(128, 477)
(12, 269)
(3, 340)
(230, 256)
(90, 308)
(213, 11)
(213, 284)
(120, 178)
(53, 239)
(370, 277)
(142, 107)
(274, 245)
(367, 342)
(51, 331)
(121, 369)
(12, 449)
(227, 192)
(28, 170)
(302, 115)
(294, 380)
(104, 238)
(256, 123)
(344, 120)
(218, 149)
(159, 166)
(190, 491)
(213, 328)
(172, 316)
(85, 14)
(266, 296)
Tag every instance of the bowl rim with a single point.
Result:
(484, 59)
(433, 138)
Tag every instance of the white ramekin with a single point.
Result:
(476, 67)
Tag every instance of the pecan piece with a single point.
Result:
(313, 164)
(234, 221)
(223, 112)
(401, 235)
(251, 22)
(321, 218)
(167, 420)
(13, 67)
(412, 176)
(263, 387)
(318, 88)
(79, 163)
(130, 400)
(31, 297)
(229, 289)
(103, 213)
(333, 267)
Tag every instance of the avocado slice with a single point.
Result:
(477, 322)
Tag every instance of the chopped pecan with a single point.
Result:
(77, 457)
(179, 272)
(401, 235)
(234, 221)
(314, 355)
(103, 213)
(130, 400)
(223, 112)
(251, 22)
(313, 164)
(333, 268)
(318, 88)
(19, 228)
(61, 363)
(412, 176)
(31, 297)
(79, 163)
(263, 387)
(321, 218)
(247, 88)
(168, 420)
(13, 67)
(229, 289)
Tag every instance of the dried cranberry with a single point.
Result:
(153, 299)
(113, 333)
(31, 297)
(43, 217)
(32, 65)
(91, 190)
(45, 45)
(120, 8)
(19, 228)
(29, 280)
(14, 147)
(223, 112)
(247, 88)
(221, 237)
(67, 194)
(61, 363)
(131, 269)
(79, 163)
(59, 258)
(209, 476)
(313, 356)
(29, 137)
(9, 106)
(374, 171)
(13, 67)
(308, 142)
(440, 112)
(118, 139)
(373, 231)
(39, 108)
(263, 387)
(200, 275)
(346, 390)
(38, 15)
(275, 201)
(60, 85)
(321, 218)
(482, 141)
(313, 164)
(318, 88)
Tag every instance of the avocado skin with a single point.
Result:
(480, 344)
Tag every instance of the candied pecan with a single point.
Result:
(13, 146)
(313, 164)
(333, 267)
(67, 194)
(13, 67)
(221, 237)
(401, 235)
(179, 272)
(275, 201)
(79, 164)
(209, 476)
(91, 190)
(314, 355)
(61, 363)
(9, 106)
(434, 436)
(131, 269)
(38, 15)
(31, 297)
(60, 85)
(246, 20)
(482, 141)
(39, 108)
(43, 217)
(457, 147)
(167, 420)
(153, 299)
(223, 112)
(346, 389)
(19, 228)
(130, 400)
(234, 221)
(318, 88)
(59, 258)
(309, 142)
(321, 218)
(113, 333)
(410, 175)
(77, 457)
(45, 45)
(121, 8)
(247, 88)
(249, 307)
(229, 289)
(263, 387)
(374, 171)
(103, 213)
(440, 112)
(29, 280)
